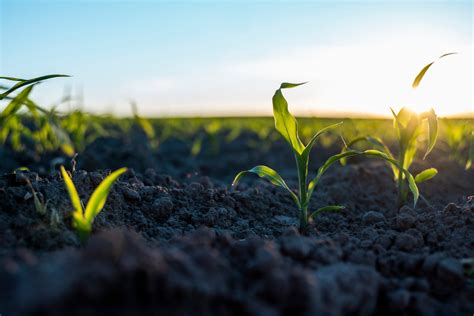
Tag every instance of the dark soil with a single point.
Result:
(174, 239)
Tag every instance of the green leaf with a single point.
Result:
(370, 139)
(368, 153)
(15, 104)
(326, 165)
(287, 85)
(268, 174)
(326, 209)
(23, 82)
(470, 157)
(310, 145)
(423, 71)
(426, 175)
(432, 129)
(73, 195)
(421, 74)
(99, 197)
(285, 122)
(411, 181)
(143, 123)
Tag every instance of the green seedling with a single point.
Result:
(146, 126)
(287, 126)
(409, 127)
(83, 219)
(46, 134)
(20, 83)
(470, 158)
(40, 205)
(458, 137)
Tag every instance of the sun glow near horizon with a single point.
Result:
(359, 58)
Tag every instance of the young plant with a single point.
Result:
(146, 127)
(20, 83)
(83, 219)
(409, 127)
(41, 206)
(287, 126)
(46, 133)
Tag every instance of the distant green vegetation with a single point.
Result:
(26, 127)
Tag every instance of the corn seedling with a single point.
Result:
(409, 127)
(470, 158)
(83, 218)
(47, 134)
(39, 203)
(287, 126)
(20, 83)
(458, 137)
(146, 126)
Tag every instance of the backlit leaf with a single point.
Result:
(423, 71)
(73, 195)
(285, 122)
(426, 175)
(99, 197)
(327, 209)
(268, 174)
(433, 129)
(21, 83)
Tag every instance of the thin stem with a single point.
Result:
(401, 184)
(303, 218)
(302, 165)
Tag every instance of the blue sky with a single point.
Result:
(214, 58)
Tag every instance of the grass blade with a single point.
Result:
(21, 83)
(268, 174)
(285, 122)
(470, 158)
(71, 189)
(99, 197)
(308, 147)
(423, 71)
(326, 209)
(426, 175)
(432, 129)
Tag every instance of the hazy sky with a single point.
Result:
(228, 57)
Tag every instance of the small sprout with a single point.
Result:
(146, 126)
(408, 126)
(83, 218)
(470, 158)
(74, 162)
(25, 82)
(41, 206)
(287, 126)
(55, 218)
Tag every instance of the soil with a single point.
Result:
(175, 239)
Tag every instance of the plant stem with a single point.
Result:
(302, 165)
(303, 218)
(400, 186)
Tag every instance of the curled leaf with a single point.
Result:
(432, 129)
(25, 82)
(426, 175)
(326, 209)
(285, 122)
(268, 174)
(99, 197)
(423, 71)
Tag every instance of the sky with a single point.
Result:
(199, 58)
